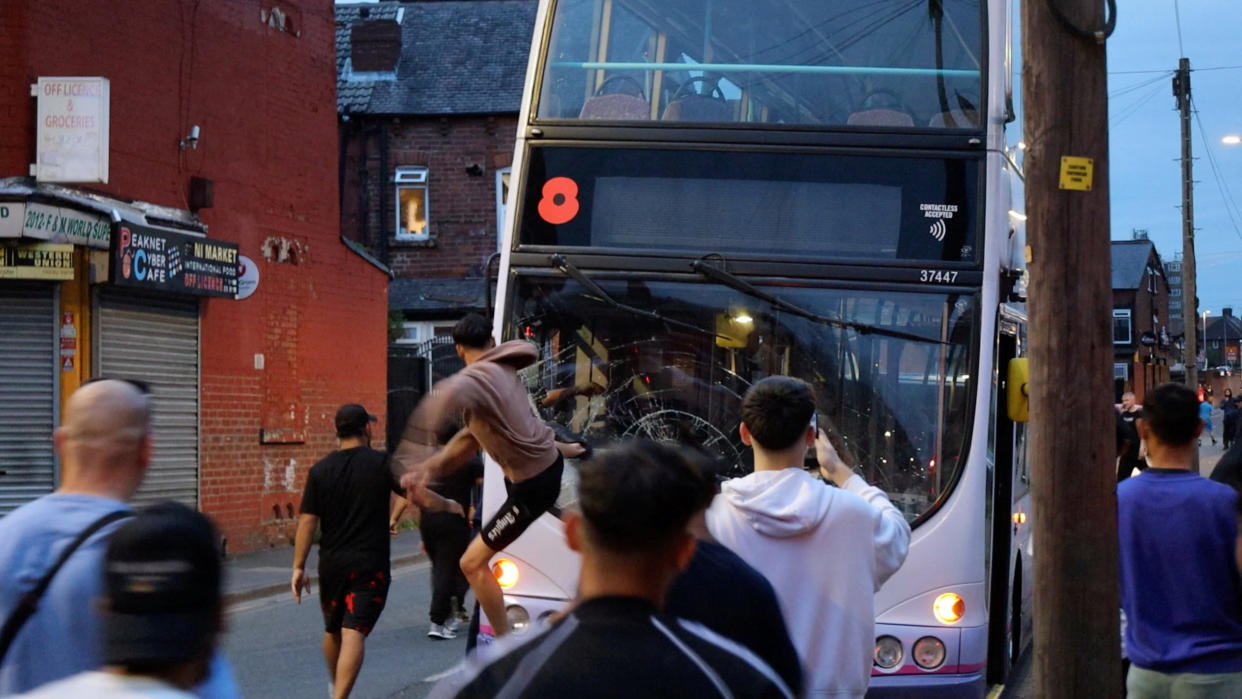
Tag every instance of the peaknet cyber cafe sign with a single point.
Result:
(155, 259)
(71, 141)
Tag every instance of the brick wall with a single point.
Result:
(461, 206)
(263, 95)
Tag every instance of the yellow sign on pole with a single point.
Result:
(1076, 173)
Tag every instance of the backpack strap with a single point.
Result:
(29, 602)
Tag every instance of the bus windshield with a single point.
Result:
(778, 62)
(897, 407)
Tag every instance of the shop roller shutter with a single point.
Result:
(156, 340)
(28, 401)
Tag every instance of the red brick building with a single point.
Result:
(221, 128)
(1143, 349)
(428, 95)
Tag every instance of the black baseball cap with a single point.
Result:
(162, 578)
(351, 419)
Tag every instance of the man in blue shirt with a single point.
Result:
(104, 447)
(1179, 562)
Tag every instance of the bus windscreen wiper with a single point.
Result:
(570, 270)
(728, 279)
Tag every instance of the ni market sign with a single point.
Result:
(155, 259)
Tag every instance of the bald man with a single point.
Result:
(104, 447)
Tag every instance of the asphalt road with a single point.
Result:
(274, 645)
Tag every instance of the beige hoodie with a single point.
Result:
(496, 409)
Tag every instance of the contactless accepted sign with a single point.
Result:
(156, 259)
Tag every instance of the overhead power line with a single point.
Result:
(1169, 72)
(1231, 207)
(1177, 14)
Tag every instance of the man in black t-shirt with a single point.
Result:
(724, 593)
(347, 494)
(445, 538)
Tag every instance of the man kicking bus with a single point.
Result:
(493, 404)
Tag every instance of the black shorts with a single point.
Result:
(352, 596)
(527, 500)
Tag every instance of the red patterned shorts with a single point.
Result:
(352, 598)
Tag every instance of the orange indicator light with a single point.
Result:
(506, 572)
(949, 608)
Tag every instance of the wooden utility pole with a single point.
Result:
(1065, 100)
(1190, 307)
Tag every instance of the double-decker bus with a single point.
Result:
(708, 192)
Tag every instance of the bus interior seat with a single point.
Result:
(698, 108)
(880, 117)
(955, 119)
(616, 107)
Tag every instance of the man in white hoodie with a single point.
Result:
(825, 550)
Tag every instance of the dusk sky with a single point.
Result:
(1145, 140)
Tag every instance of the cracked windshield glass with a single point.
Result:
(897, 408)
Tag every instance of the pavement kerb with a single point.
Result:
(233, 598)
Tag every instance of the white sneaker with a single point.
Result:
(453, 624)
(440, 631)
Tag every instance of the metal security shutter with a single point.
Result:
(28, 350)
(156, 340)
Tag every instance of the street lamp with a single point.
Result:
(1231, 140)
(1205, 361)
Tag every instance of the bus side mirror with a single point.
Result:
(1018, 396)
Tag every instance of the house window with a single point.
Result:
(1121, 326)
(418, 332)
(1121, 370)
(502, 199)
(411, 198)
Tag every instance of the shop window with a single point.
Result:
(1121, 326)
(1121, 370)
(411, 199)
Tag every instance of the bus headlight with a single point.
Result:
(949, 608)
(519, 618)
(506, 572)
(928, 652)
(888, 652)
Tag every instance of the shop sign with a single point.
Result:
(71, 143)
(45, 261)
(159, 260)
(248, 279)
(11, 216)
(57, 224)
